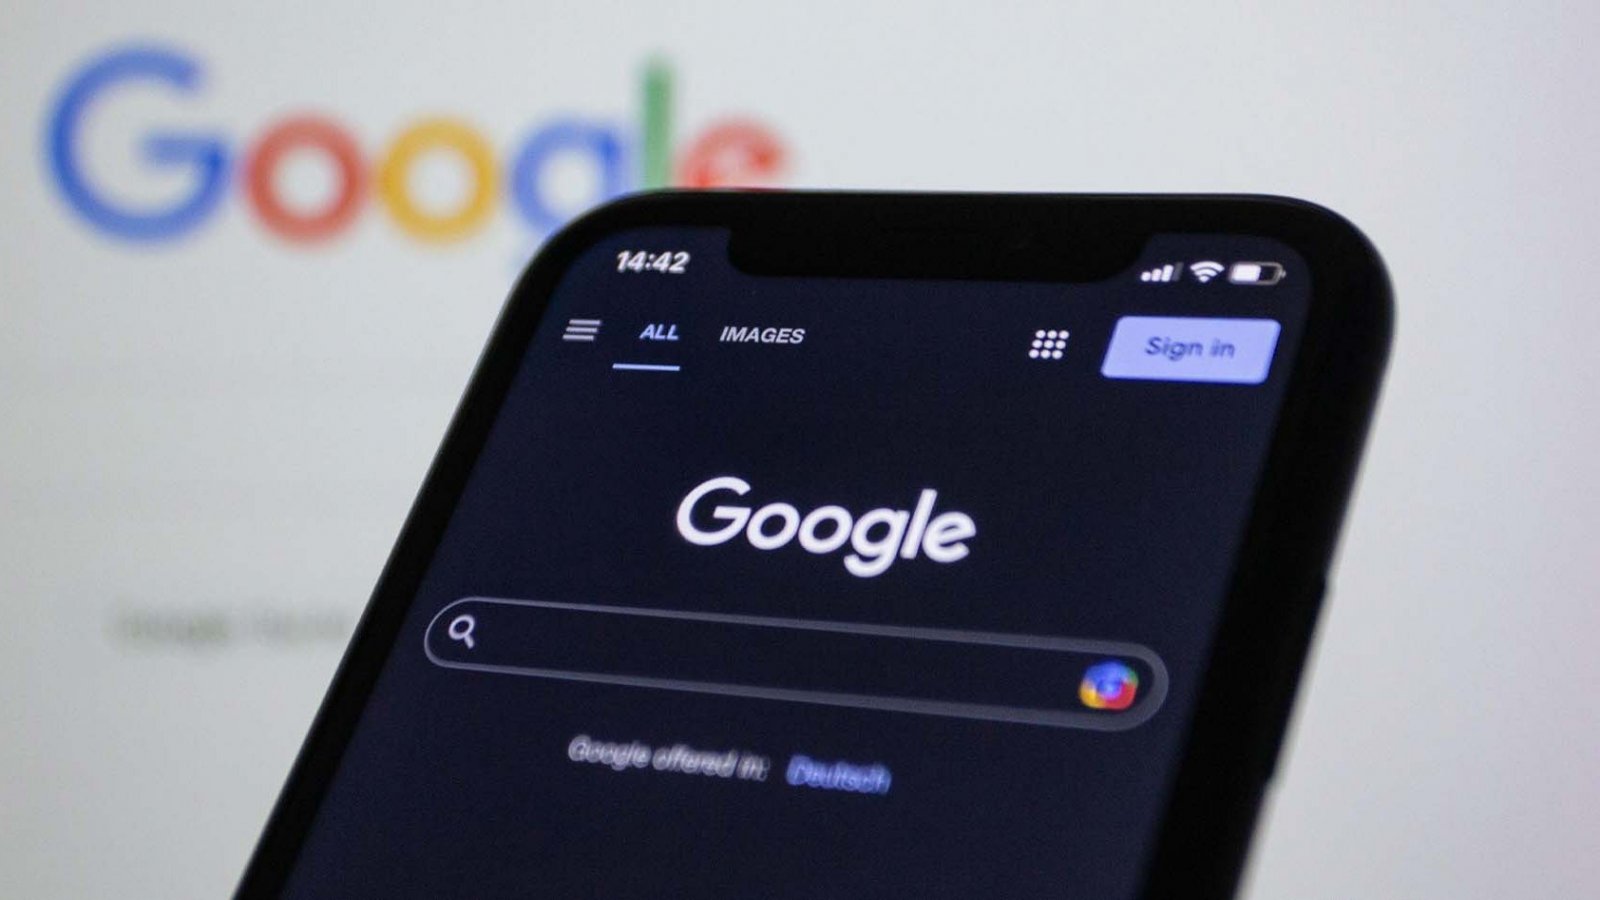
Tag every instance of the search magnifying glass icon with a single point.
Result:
(461, 630)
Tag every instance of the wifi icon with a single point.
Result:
(1206, 269)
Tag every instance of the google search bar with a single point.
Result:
(1030, 679)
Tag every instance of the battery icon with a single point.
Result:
(1255, 273)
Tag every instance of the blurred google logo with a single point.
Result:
(1109, 685)
(730, 152)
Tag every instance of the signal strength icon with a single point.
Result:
(1205, 270)
(1168, 272)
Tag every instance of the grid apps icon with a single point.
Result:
(1048, 344)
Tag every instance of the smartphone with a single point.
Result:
(850, 545)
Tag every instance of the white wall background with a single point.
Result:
(201, 433)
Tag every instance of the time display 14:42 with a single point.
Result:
(670, 262)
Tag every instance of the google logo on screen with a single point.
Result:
(728, 153)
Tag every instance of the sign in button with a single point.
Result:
(1217, 351)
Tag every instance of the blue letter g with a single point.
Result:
(205, 155)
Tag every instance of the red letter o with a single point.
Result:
(289, 135)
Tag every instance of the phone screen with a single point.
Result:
(823, 587)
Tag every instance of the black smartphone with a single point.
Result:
(833, 545)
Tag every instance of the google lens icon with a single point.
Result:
(1109, 685)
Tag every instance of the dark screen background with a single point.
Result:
(1105, 509)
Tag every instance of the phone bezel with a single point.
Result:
(1276, 589)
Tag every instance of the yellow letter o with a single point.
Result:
(425, 136)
